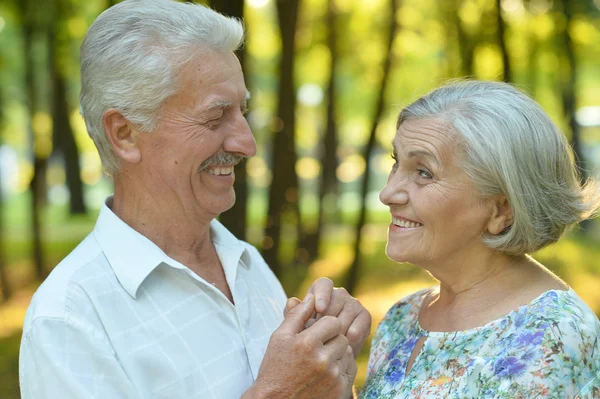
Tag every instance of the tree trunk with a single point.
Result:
(328, 183)
(501, 25)
(283, 192)
(65, 141)
(235, 219)
(465, 43)
(353, 273)
(4, 283)
(62, 132)
(569, 100)
(36, 187)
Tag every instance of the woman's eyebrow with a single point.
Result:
(424, 154)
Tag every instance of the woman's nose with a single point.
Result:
(394, 192)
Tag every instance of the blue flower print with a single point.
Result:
(508, 367)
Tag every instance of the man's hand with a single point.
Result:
(306, 363)
(330, 301)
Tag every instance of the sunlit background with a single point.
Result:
(328, 78)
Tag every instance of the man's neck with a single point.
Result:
(181, 234)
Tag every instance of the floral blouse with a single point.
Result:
(548, 348)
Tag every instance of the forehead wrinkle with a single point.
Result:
(431, 135)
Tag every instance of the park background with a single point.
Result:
(328, 78)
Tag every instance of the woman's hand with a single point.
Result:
(337, 302)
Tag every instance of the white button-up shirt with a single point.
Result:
(118, 318)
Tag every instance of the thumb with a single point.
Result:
(297, 317)
(290, 304)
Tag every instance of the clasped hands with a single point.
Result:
(312, 354)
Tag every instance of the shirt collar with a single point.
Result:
(133, 257)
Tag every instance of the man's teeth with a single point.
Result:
(220, 171)
(404, 223)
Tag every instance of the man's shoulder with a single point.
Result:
(65, 281)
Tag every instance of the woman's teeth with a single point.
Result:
(220, 171)
(404, 223)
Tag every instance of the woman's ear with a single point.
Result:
(121, 135)
(501, 217)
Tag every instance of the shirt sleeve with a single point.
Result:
(61, 359)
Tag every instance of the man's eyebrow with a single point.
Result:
(225, 104)
(218, 104)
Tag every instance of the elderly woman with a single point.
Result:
(482, 177)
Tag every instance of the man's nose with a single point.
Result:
(240, 140)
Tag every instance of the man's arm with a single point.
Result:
(69, 360)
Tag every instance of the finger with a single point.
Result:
(354, 315)
(323, 330)
(337, 302)
(347, 359)
(336, 347)
(351, 367)
(360, 328)
(290, 304)
(298, 316)
(310, 322)
(322, 288)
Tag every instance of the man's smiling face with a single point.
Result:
(202, 134)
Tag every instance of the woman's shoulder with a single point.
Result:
(566, 308)
(565, 318)
(407, 309)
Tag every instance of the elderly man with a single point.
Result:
(160, 300)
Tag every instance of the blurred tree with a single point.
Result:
(501, 31)
(353, 273)
(235, 219)
(569, 74)
(62, 133)
(466, 41)
(568, 83)
(38, 182)
(328, 183)
(283, 192)
(4, 283)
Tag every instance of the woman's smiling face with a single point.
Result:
(437, 213)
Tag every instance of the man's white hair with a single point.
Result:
(512, 148)
(131, 56)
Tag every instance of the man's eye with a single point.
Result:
(213, 123)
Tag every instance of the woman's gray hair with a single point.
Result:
(132, 54)
(513, 149)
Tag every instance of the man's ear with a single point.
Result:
(501, 217)
(121, 135)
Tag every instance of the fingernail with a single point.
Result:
(307, 298)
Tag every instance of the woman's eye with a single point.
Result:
(424, 173)
(395, 158)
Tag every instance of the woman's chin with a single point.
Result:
(396, 255)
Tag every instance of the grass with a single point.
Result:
(382, 282)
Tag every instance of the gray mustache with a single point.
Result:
(221, 158)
